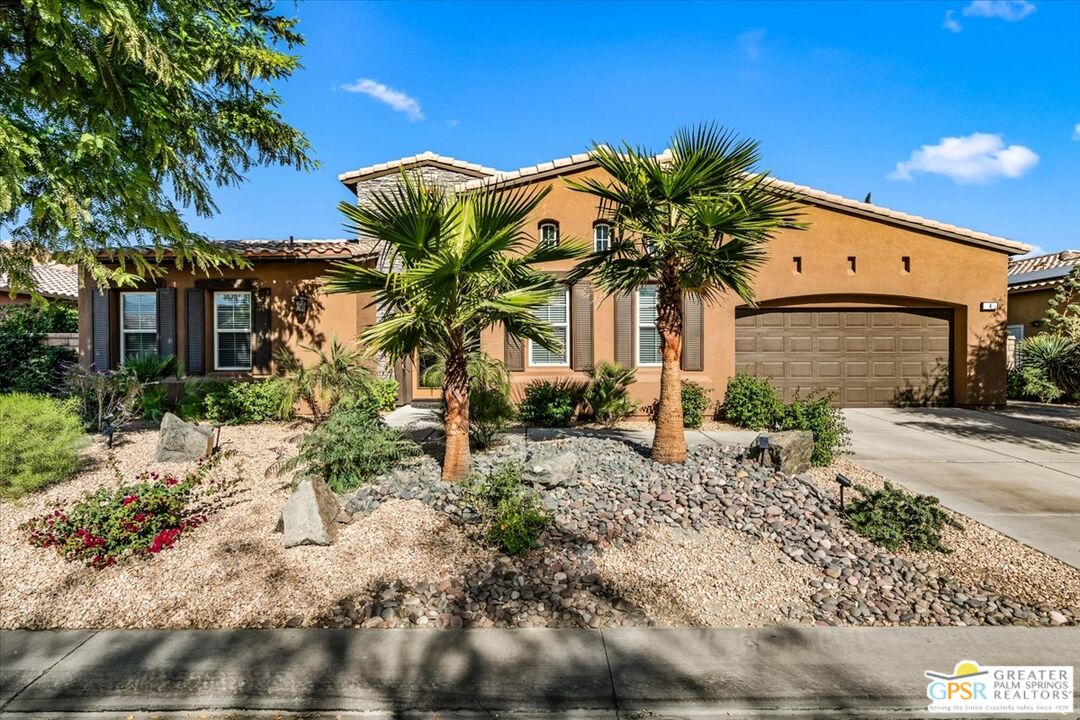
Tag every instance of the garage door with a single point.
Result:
(867, 358)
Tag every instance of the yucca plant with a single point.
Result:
(150, 367)
(453, 265)
(1055, 356)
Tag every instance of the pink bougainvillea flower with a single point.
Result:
(129, 499)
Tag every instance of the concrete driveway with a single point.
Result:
(1018, 477)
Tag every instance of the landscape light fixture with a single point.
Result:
(762, 444)
(843, 482)
(109, 434)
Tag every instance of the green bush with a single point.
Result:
(26, 365)
(608, 392)
(40, 440)
(148, 367)
(695, 403)
(514, 513)
(816, 413)
(550, 403)
(895, 519)
(1029, 382)
(751, 402)
(350, 448)
(385, 391)
(239, 403)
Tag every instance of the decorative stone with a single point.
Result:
(552, 472)
(789, 451)
(181, 441)
(310, 513)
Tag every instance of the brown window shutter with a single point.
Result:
(514, 353)
(581, 326)
(194, 319)
(693, 350)
(624, 330)
(102, 323)
(166, 322)
(260, 331)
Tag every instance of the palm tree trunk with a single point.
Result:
(457, 460)
(669, 440)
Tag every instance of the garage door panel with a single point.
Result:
(865, 357)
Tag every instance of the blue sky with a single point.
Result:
(967, 113)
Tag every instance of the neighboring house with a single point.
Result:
(54, 282)
(1033, 282)
(877, 306)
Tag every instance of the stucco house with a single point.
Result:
(878, 306)
(1033, 282)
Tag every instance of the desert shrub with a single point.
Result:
(608, 392)
(549, 403)
(1057, 357)
(137, 519)
(350, 448)
(104, 399)
(1030, 382)
(695, 403)
(514, 513)
(816, 413)
(190, 405)
(896, 519)
(154, 401)
(26, 365)
(751, 402)
(40, 440)
(149, 367)
(239, 403)
(385, 391)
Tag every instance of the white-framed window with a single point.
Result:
(1014, 335)
(232, 330)
(650, 245)
(557, 315)
(138, 324)
(549, 233)
(601, 237)
(648, 337)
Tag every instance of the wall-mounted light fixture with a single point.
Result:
(300, 303)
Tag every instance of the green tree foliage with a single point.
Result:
(116, 115)
(27, 365)
(1063, 315)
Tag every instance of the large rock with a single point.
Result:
(789, 451)
(310, 514)
(553, 471)
(181, 441)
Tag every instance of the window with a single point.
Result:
(650, 245)
(138, 324)
(602, 237)
(232, 331)
(556, 314)
(648, 337)
(549, 234)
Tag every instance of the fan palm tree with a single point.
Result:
(695, 219)
(452, 265)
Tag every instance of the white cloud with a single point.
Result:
(1035, 250)
(750, 43)
(1076, 131)
(453, 122)
(951, 24)
(976, 158)
(394, 98)
(1011, 10)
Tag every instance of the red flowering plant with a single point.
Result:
(141, 518)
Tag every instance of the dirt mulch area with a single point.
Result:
(233, 571)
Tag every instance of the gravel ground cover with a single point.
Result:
(718, 541)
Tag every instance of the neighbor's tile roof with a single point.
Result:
(53, 281)
(583, 160)
(1042, 271)
(313, 249)
(424, 158)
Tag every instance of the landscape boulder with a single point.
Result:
(551, 472)
(310, 514)
(789, 451)
(181, 441)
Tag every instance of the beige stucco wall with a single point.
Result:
(1027, 307)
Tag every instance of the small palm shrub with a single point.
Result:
(695, 403)
(40, 440)
(515, 515)
(350, 448)
(897, 519)
(340, 374)
(1057, 357)
(148, 367)
(608, 392)
(240, 403)
(751, 402)
(549, 403)
(816, 413)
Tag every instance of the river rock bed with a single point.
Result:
(614, 496)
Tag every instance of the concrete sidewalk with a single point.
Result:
(619, 673)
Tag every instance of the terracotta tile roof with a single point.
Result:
(53, 281)
(424, 158)
(582, 161)
(1042, 271)
(314, 249)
